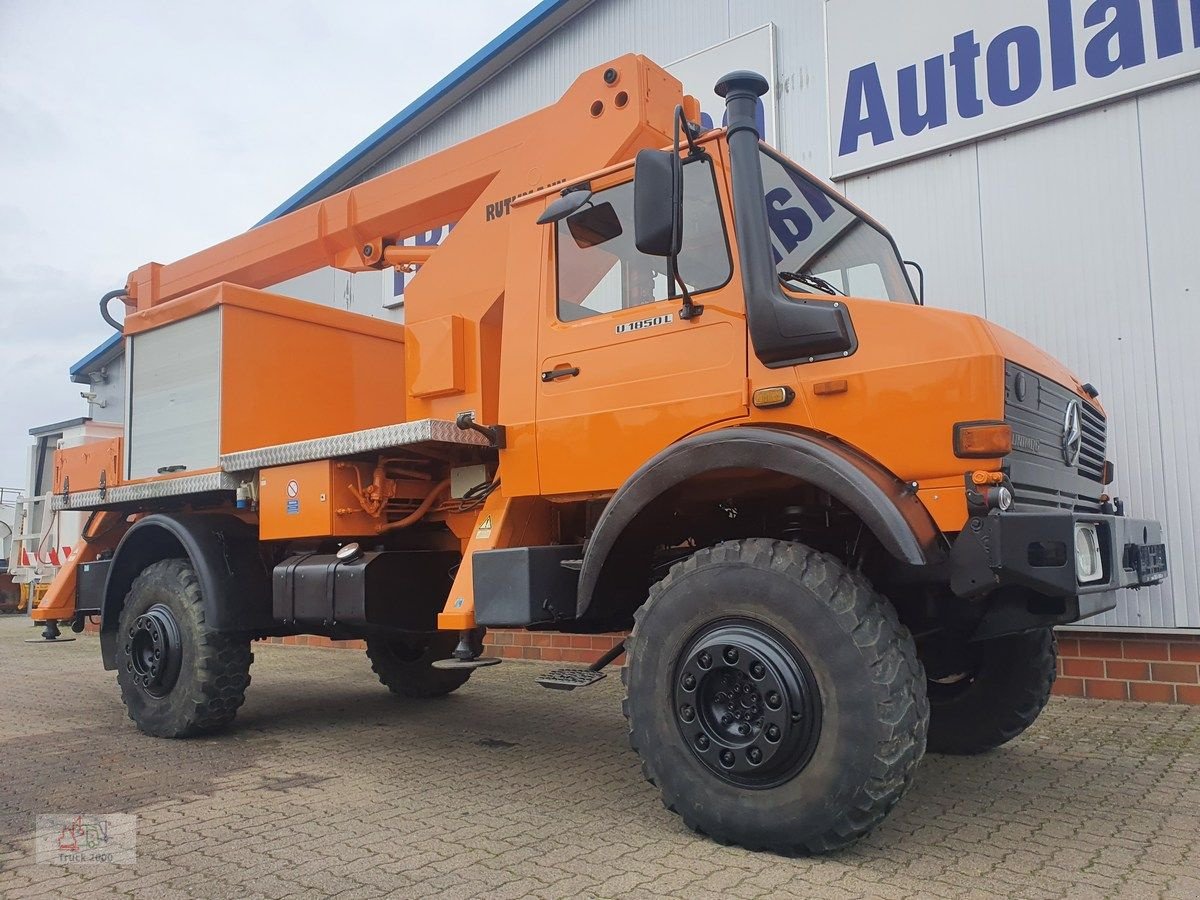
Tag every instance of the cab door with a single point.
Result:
(621, 374)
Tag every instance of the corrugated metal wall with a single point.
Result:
(1076, 233)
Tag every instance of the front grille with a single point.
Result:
(1095, 436)
(1036, 408)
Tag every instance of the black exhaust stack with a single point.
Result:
(783, 330)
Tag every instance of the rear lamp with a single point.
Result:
(982, 440)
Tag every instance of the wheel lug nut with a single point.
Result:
(702, 742)
(772, 732)
(727, 759)
(774, 700)
(689, 682)
(757, 670)
(704, 660)
(731, 655)
(687, 713)
(754, 755)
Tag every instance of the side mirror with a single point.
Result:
(656, 205)
(568, 203)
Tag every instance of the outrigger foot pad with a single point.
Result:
(478, 663)
(568, 679)
(50, 635)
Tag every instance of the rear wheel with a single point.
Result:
(404, 664)
(178, 677)
(982, 694)
(774, 697)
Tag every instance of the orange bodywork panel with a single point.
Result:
(291, 370)
(88, 467)
(105, 530)
(502, 522)
(314, 499)
(436, 357)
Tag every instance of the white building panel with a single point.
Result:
(1170, 136)
(1064, 243)
(931, 206)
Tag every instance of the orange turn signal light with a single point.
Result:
(982, 440)
(767, 398)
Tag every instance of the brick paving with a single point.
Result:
(328, 785)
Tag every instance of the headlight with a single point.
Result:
(1088, 565)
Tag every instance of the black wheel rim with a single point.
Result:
(746, 703)
(154, 651)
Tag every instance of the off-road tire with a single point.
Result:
(1007, 689)
(873, 710)
(213, 668)
(403, 665)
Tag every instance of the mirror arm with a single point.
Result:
(690, 310)
(920, 283)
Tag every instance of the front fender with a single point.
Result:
(886, 505)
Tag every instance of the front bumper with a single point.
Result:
(1036, 550)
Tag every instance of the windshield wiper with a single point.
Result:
(812, 281)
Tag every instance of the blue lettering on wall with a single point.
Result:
(1110, 35)
(912, 120)
(962, 59)
(425, 239)
(1003, 88)
(1062, 44)
(1119, 44)
(1168, 32)
(864, 90)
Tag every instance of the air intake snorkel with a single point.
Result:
(784, 331)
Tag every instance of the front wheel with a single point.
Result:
(178, 676)
(774, 697)
(982, 694)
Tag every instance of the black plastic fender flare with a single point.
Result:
(234, 582)
(887, 506)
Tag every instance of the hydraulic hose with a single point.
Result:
(105, 314)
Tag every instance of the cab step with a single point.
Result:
(569, 678)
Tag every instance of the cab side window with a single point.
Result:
(600, 270)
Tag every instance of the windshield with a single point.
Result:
(815, 234)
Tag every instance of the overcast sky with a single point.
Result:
(138, 131)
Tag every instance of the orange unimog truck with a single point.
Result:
(687, 391)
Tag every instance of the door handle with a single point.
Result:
(552, 374)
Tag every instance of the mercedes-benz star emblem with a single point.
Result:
(1072, 434)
